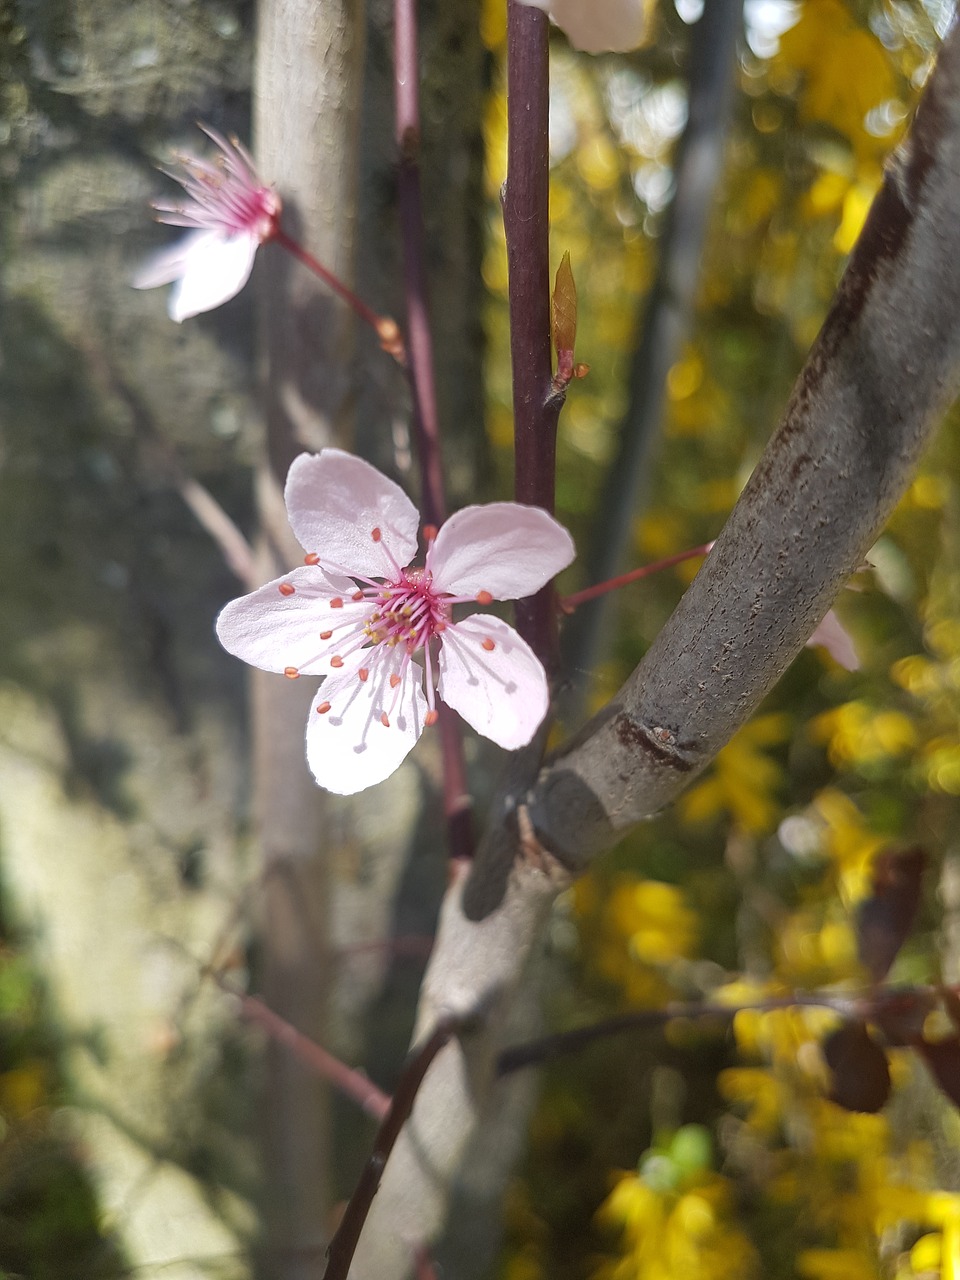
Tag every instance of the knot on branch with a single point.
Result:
(657, 741)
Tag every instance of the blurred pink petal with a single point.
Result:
(597, 26)
(832, 636)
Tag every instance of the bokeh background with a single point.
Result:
(131, 1083)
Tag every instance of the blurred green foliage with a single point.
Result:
(51, 1227)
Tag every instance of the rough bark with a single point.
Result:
(883, 370)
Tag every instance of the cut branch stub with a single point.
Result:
(884, 920)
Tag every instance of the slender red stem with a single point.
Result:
(385, 328)
(536, 403)
(353, 1084)
(567, 604)
(419, 337)
(420, 365)
(866, 1004)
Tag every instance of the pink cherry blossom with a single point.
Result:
(230, 213)
(360, 615)
(597, 26)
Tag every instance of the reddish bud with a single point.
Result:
(565, 310)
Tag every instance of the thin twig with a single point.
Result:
(352, 1083)
(236, 550)
(567, 604)
(536, 405)
(344, 1243)
(864, 1004)
(383, 326)
(420, 365)
(419, 337)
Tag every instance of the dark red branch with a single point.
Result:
(344, 1243)
(526, 200)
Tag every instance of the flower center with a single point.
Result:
(407, 612)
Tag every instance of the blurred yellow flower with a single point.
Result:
(743, 779)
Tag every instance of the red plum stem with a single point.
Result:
(526, 198)
(567, 604)
(385, 328)
(420, 367)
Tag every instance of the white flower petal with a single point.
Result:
(169, 264)
(213, 272)
(334, 503)
(501, 691)
(275, 630)
(348, 746)
(597, 26)
(503, 547)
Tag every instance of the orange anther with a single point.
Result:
(488, 645)
(394, 680)
(357, 595)
(364, 674)
(431, 718)
(286, 588)
(291, 673)
(336, 603)
(323, 708)
(430, 532)
(376, 535)
(311, 558)
(484, 597)
(385, 720)
(338, 662)
(325, 635)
